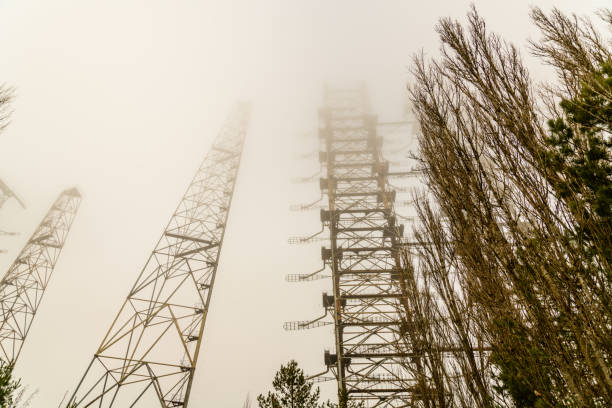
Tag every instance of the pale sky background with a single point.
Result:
(122, 99)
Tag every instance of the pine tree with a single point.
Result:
(8, 386)
(581, 154)
(291, 390)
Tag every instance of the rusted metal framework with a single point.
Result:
(148, 356)
(366, 256)
(23, 286)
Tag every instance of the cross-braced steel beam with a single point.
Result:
(148, 356)
(23, 286)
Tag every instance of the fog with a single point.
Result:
(122, 100)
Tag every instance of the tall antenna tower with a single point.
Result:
(366, 255)
(23, 286)
(148, 356)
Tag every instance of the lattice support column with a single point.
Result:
(364, 255)
(148, 356)
(23, 286)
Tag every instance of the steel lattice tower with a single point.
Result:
(366, 256)
(148, 356)
(23, 286)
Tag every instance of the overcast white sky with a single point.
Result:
(122, 99)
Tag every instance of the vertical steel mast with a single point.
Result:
(23, 286)
(365, 255)
(148, 356)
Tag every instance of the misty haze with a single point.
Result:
(307, 204)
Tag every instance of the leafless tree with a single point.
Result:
(508, 300)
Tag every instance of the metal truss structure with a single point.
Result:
(6, 193)
(386, 354)
(23, 286)
(366, 255)
(148, 356)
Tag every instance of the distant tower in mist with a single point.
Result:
(23, 286)
(366, 255)
(6, 193)
(148, 356)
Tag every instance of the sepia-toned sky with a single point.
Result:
(122, 99)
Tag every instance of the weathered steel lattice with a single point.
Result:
(366, 256)
(23, 286)
(148, 356)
